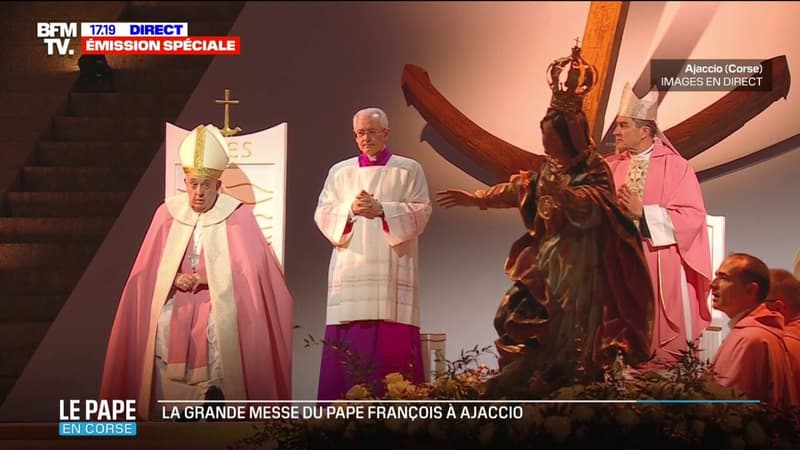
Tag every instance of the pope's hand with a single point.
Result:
(184, 282)
(198, 279)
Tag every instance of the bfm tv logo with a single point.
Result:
(57, 36)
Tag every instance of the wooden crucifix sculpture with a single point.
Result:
(601, 42)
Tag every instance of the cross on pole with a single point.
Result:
(226, 130)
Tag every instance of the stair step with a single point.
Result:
(65, 204)
(30, 55)
(22, 334)
(166, 106)
(15, 154)
(18, 341)
(30, 308)
(108, 129)
(59, 281)
(54, 229)
(18, 126)
(79, 179)
(46, 255)
(27, 104)
(27, 81)
(9, 181)
(98, 154)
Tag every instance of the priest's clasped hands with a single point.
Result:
(630, 202)
(365, 205)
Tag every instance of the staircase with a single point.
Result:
(82, 165)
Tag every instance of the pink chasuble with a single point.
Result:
(672, 184)
(187, 358)
(255, 345)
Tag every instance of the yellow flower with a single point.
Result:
(397, 389)
(357, 392)
(396, 385)
(393, 377)
(565, 393)
(718, 391)
(569, 392)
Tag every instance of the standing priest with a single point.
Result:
(372, 209)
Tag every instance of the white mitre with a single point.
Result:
(645, 108)
(203, 152)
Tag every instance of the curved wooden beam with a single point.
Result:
(720, 119)
(497, 156)
(692, 136)
(602, 39)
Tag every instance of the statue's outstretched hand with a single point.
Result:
(456, 197)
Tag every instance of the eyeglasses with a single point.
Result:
(372, 132)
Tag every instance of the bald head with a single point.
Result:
(785, 287)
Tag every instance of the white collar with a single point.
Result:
(178, 206)
(645, 154)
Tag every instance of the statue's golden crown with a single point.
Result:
(570, 78)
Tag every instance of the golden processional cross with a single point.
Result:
(601, 41)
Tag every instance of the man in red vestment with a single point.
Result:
(785, 294)
(753, 357)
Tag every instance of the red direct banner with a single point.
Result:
(190, 45)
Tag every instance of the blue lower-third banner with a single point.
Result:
(97, 429)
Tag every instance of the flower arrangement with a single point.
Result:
(594, 424)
